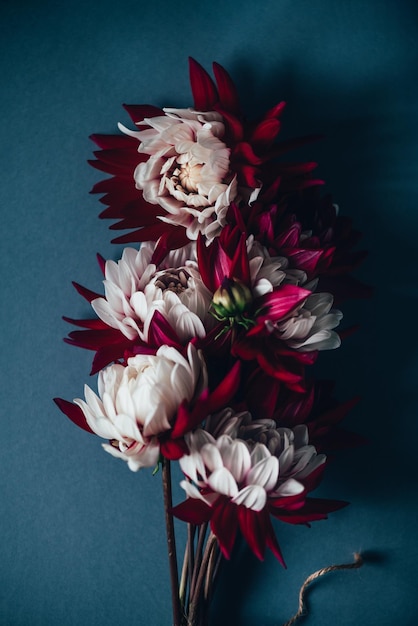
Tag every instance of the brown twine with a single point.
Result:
(358, 562)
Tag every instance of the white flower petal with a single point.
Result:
(211, 457)
(252, 497)
(222, 481)
(265, 473)
(290, 487)
(236, 458)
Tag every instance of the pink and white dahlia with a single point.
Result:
(135, 289)
(138, 403)
(188, 169)
(238, 484)
(145, 305)
(176, 174)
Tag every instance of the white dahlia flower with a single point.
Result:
(246, 472)
(311, 326)
(188, 170)
(138, 402)
(135, 288)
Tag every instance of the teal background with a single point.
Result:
(82, 540)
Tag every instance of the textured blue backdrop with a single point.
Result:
(82, 539)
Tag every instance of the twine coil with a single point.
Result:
(358, 562)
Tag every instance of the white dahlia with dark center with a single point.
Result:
(135, 288)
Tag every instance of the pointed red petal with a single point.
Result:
(252, 525)
(226, 389)
(86, 293)
(111, 142)
(224, 525)
(276, 111)
(138, 112)
(95, 324)
(204, 91)
(102, 263)
(193, 511)
(74, 413)
(228, 95)
(233, 127)
(161, 333)
(281, 301)
(266, 132)
(271, 541)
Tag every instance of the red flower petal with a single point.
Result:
(282, 301)
(203, 88)
(173, 449)
(193, 511)
(74, 413)
(112, 142)
(94, 324)
(86, 293)
(138, 112)
(161, 333)
(276, 111)
(224, 524)
(226, 389)
(228, 95)
(266, 131)
(234, 131)
(253, 528)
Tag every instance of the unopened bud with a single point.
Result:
(231, 299)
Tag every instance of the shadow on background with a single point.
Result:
(369, 162)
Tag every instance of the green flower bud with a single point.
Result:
(231, 300)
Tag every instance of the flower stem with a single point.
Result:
(171, 542)
(196, 600)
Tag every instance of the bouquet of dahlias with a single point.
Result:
(205, 332)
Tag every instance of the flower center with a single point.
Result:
(173, 279)
(187, 177)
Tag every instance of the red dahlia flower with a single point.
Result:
(310, 232)
(282, 327)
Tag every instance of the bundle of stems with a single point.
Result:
(191, 596)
